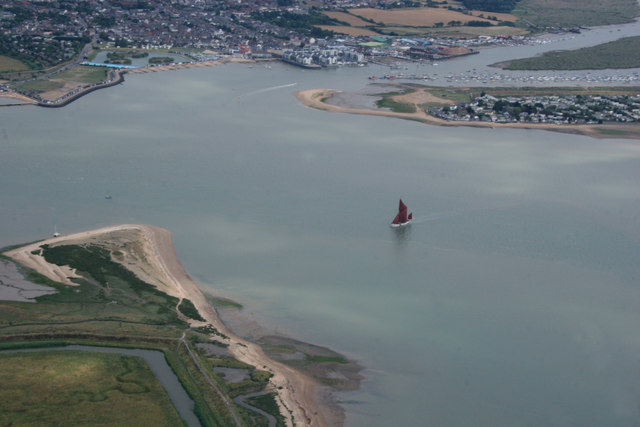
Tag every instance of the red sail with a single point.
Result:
(401, 218)
(402, 212)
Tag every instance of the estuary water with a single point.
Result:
(513, 299)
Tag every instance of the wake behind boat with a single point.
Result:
(402, 218)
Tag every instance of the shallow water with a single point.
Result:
(13, 286)
(512, 300)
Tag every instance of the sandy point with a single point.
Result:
(148, 252)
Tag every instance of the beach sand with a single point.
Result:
(16, 95)
(148, 252)
(319, 99)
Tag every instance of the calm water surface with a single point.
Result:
(512, 300)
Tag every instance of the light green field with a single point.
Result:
(83, 74)
(39, 86)
(77, 388)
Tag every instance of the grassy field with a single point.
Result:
(83, 74)
(81, 388)
(622, 53)
(575, 13)
(387, 101)
(74, 77)
(10, 64)
(39, 86)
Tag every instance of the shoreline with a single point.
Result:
(118, 78)
(148, 252)
(315, 98)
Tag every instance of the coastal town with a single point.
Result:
(51, 31)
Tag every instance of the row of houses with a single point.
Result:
(545, 109)
(330, 56)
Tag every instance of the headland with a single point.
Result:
(147, 252)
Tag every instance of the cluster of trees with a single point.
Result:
(39, 52)
(473, 23)
(504, 6)
(124, 57)
(128, 5)
(104, 21)
(301, 23)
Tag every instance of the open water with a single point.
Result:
(512, 300)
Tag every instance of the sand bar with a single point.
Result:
(148, 252)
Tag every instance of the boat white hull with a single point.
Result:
(402, 224)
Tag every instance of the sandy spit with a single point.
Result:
(148, 252)
(315, 98)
